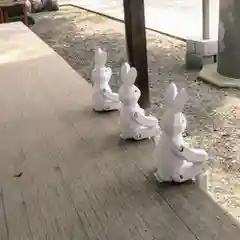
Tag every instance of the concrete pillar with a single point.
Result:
(229, 39)
(226, 73)
(201, 51)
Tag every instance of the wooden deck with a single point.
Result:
(64, 173)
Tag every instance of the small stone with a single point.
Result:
(18, 175)
(225, 135)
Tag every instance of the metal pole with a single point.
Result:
(205, 19)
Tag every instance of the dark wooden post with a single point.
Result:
(136, 45)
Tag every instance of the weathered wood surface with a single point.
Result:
(78, 180)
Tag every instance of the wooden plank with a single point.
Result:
(203, 217)
(98, 188)
(79, 181)
(28, 123)
(136, 45)
(120, 202)
(200, 213)
(81, 171)
(4, 234)
(50, 210)
(16, 214)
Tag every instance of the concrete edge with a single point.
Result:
(91, 11)
(209, 74)
(204, 48)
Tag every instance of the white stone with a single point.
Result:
(103, 97)
(203, 48)
(177, 161)
(134, 123)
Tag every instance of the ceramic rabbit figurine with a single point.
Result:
(103, 97)
(134, 123)
(176, 160)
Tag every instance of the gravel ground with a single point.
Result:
(213, 114)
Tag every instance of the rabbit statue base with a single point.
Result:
(134, 123)
(106, 105)
(103, 97)
(139, 132)
(177, 161)
(183, 170)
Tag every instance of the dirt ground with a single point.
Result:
(213, 114)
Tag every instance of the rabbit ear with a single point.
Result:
(103, 57)
(98, 52)
(100, 57)
(170, 94)
(132, 75)
(124, 72)
(180, 100)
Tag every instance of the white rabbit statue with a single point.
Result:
(103, 97)
(177, 161)
(134, 123)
